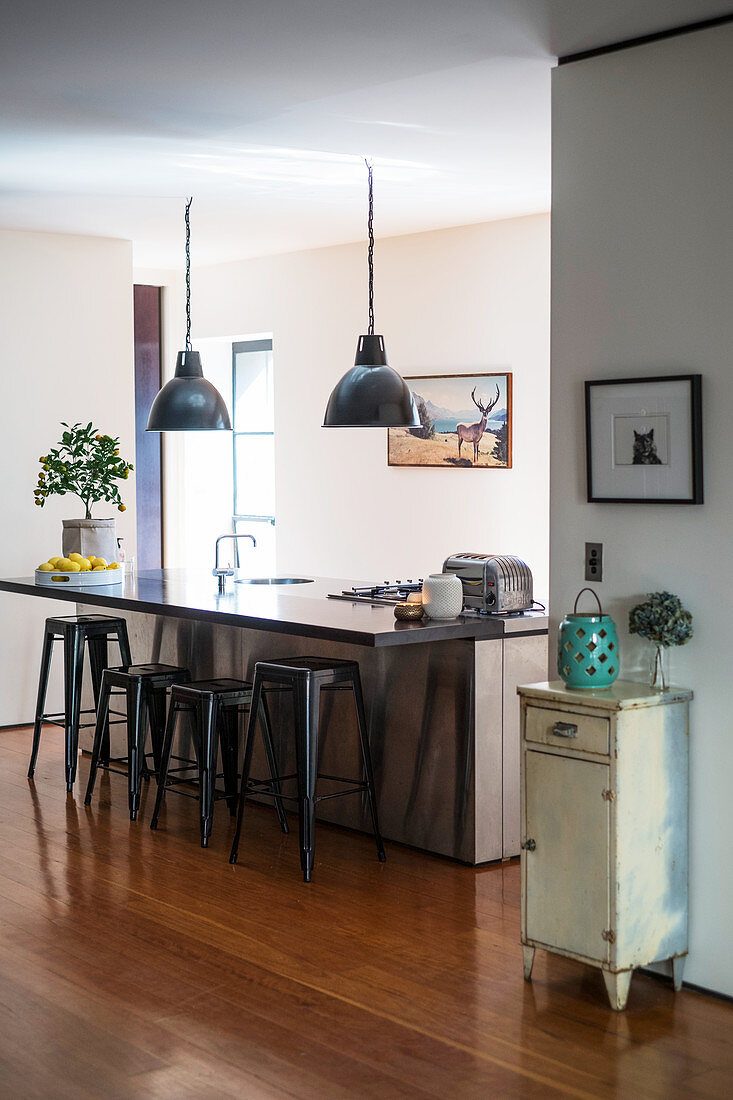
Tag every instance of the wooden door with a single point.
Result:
(148, 462)
(567, 875)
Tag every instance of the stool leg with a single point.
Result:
(124, 643)
(249, 745)
(156, 715)
(102, 714)
(165, 761)
(136, 731)
(266, 727)
(229, 741)
(307, 699)
(207, 765)
(97, 664)
(367, 759)
(73, 668)
(48, 640)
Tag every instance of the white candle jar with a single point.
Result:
(442, 596)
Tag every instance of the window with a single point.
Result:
(254, 445)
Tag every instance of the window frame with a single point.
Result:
(238, 348)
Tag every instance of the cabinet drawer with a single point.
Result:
(586, 733)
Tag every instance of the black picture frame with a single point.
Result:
(643, 472)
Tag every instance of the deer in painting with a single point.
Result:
(471, 433)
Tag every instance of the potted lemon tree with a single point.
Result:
(87, 465)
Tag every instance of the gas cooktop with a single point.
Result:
(388, 592)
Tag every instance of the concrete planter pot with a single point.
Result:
(90, 537)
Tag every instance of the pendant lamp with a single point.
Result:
(188, 403)
(371, 394)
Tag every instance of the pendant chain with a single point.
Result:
(370, 226)
(188, 275)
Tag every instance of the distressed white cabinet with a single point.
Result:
(604, 827)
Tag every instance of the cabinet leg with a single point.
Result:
(617, 987)
(528, 953)
(678, 967)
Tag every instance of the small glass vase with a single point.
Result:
(659, 669)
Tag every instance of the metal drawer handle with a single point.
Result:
(565, 729)
(529, 845)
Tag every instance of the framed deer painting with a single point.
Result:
(465, 423)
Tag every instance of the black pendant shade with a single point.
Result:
(188, 403)
(371, 394)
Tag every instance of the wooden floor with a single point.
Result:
(134, 964)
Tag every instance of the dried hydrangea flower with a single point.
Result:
(662, 619)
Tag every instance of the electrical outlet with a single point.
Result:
(594, 561)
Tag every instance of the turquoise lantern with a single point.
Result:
(587, 648)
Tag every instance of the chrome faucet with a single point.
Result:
(227, 571)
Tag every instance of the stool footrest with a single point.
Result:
(83, 725)
(270, 787)
(338, 794)
(58, 714)
(114, 771)
(123, 760)
(172, 785)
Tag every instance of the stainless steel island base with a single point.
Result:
(443, 725)
(440, 694)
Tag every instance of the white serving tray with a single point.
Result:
(88, 579)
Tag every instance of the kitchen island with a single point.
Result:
(440, 696)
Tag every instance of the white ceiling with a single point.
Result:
(112, 112)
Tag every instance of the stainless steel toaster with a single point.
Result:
(492, 583)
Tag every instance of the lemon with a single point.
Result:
(114, 565)
(99, 568)
(47, 567)
(65, 565)
(94, 562)
(85, 565)
(76, 557)
(54, 561)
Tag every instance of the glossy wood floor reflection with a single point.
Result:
(135, 964)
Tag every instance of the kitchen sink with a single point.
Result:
(275, 580)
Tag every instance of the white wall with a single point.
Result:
(642, 278)
(67, 345)
(453, 301)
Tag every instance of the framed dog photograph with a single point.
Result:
(644, 440)
(465, 423)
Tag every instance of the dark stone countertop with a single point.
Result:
(300, 609)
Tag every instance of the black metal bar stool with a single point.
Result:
(306, 677)
(144, 687)
(214, 706)
(74, 631)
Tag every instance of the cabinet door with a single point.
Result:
(567, 875)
